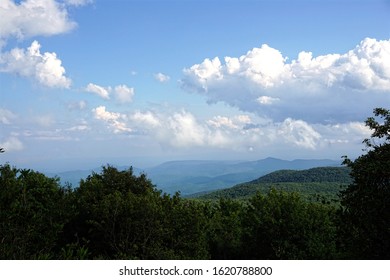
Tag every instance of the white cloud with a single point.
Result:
(101, 114)
(219, 122)
(116, 121)
(185, 130)
(348, 133)
(299, 133)
(146, 119)
(161, 77)
(309, 88)
(33, 18)
(12, 144)
(46, 68)
(362, 68)
(124, 94)
(231, 123)
(6, 116)
(198, 76)
(99, 90)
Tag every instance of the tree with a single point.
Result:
(31, 216)
(282, 225)
(366, 202)
(225, 230)
(123, 216)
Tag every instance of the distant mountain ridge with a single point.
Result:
(194, 176)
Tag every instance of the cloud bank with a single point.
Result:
(181, 129)
(310, 88)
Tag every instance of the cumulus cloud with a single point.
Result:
(162, 78)
(33, 18)
(305, 88)
(299, 133)
(115, 121)
(45, 68)
(99, 90)
(185, 129)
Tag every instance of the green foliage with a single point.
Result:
(381, 130)
(283, 226)
(74, 252)
(318, 174)
(366, 202)
(31, 216)
(124, 216)
(117, 215)
(225, 230)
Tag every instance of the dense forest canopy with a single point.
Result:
(116, 214)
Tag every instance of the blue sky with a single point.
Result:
(89, 82)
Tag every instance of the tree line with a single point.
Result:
(119, 215)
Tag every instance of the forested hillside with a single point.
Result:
(321, 183)
(319, 174)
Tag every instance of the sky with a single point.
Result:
(89, 82)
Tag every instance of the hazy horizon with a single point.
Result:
(76, 164)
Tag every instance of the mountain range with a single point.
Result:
(195, 176)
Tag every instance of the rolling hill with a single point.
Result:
(315, 183)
